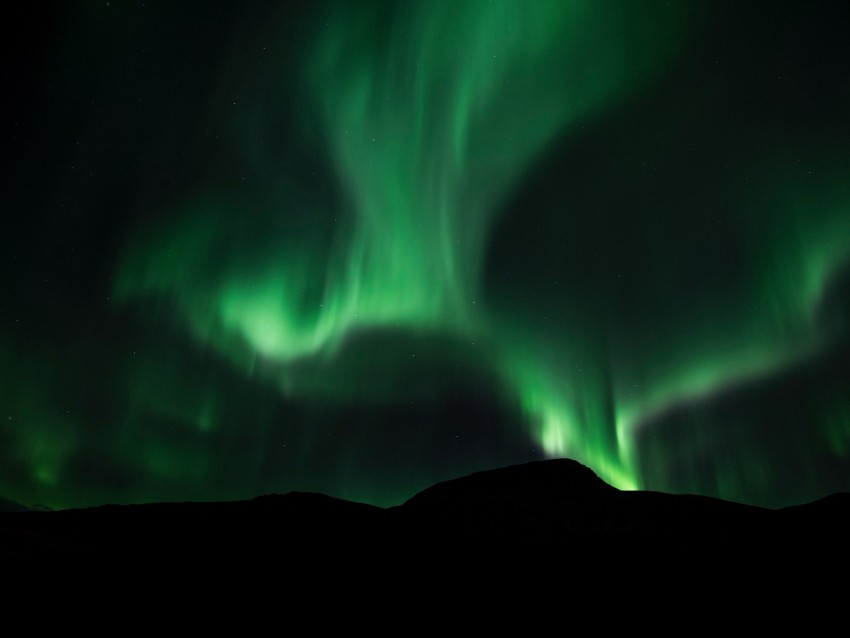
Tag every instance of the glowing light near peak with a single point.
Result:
(417, 239)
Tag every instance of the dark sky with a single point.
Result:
(358, 248)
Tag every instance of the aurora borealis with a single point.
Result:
(360, 247)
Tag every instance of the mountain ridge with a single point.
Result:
(536, 506)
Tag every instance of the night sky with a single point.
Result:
(361, 247)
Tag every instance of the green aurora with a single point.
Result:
(413, 240)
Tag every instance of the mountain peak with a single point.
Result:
(553, 479)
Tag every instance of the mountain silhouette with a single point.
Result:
(544, 508)
(11, 506)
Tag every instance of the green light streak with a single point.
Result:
(431, 115)
(429, 124)
(774, 328)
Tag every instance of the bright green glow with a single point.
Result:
(774, 329)
(432, 116)
(564, 394)
(429, 126)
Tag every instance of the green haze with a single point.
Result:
(357, 247)
(430, 117)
